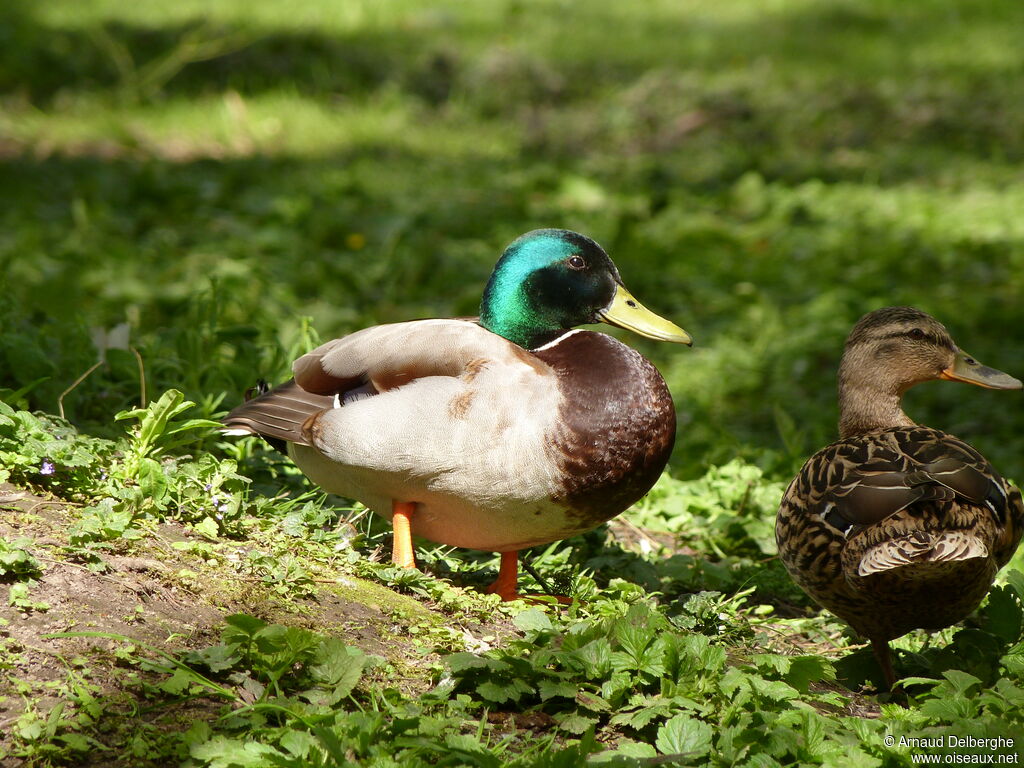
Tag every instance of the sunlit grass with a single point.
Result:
(230, 125)
(228, 182)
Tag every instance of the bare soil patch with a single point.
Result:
(167, 598)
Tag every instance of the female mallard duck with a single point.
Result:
(898, 527)
(497, 434)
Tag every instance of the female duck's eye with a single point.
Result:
(916, 333)
(577, 262)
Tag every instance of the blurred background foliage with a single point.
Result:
(231, 179)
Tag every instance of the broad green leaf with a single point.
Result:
(590, 701)
(771, 689)
(501, 693)
(634, 640)
(460, 662)
(851, 757)
(199, 732)
(596, 657)
(616, 686)
(207, 528)
(152, 479)
(222, 752)
(1013, 661)
(779, 739)
(216, 658)
(762, 761)
(469, 747)
(297, 743)
(78, 742)
(576, 723)
(640, 718)
(244, 624)
(179, 681)
(696, 655)
(331, 743)
(733, 681)
(954, 708)
(283, 646)
(632, 749)
(190, 424)
(798, 671)
(549, 689)
(684, 735)
(961, 682)
(532, 620)
(338, 666)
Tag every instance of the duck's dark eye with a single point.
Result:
(915, 333)
(577, 262)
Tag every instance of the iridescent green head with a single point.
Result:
(553, 279)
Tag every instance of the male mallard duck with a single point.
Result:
(497, 434)
(896, 526)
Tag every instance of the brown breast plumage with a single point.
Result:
(616, 426)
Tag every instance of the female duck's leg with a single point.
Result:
(508, 577)
(401, 553)
(884, 656)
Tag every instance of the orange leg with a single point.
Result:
(507, 584)
(402, 554)
(508, 577)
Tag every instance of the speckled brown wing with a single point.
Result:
(898, 529)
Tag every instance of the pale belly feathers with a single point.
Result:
(474, 455)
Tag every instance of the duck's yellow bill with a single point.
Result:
(965, 368)
(626, 312)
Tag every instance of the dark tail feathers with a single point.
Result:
(277, 415)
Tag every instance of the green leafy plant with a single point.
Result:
(18, 595)
(158, 432)
(16, 560)
(46, 451)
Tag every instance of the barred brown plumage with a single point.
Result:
(896, 526)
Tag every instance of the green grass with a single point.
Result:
(763, 175)
(681, 657)
(235, 180)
